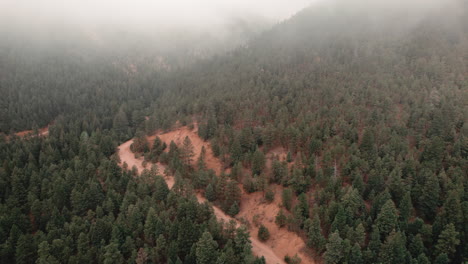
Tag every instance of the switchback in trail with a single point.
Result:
(282, 241)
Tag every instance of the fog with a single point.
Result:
(144, 14)
(204, 27)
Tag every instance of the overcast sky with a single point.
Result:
(154, 12)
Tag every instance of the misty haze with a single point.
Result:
(234, 132)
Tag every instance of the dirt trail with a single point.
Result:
(127, 156)
(281, 243)
(42, 132)
(178, 135)
(255, 210)
(258, 248)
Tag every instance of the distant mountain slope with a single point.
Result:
(370, 103)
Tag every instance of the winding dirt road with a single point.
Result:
(258, 248)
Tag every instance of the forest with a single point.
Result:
(355, 122)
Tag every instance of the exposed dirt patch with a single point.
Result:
(281, 243)
(178, 136)
(127, 156)
(278, 153)
(256, 211)
(258, 248)
(42, 132)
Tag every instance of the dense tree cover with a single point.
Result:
(371, 112)
(373, 118)
(64, 199)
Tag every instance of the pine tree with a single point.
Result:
(258, 162)
(236, 151)
(334, 249)
(280, 219)
(161, 189)
(279, 171)
(448, 240)
(210, 193)
(121, 124)
(233, 195)
(429, 199)
(405, 208)
(287, 198)
(442, 259)
(367, 146)
(355, 256)
(44, 256)
(315, 238)
(201, 164)
(393, 250)
(234, 209)
(153, 226)
(25, 251)
(387, 218)
(374, 245)
(416, 245)
(289, 158)
(206, 249)
(112, 254)
(263, 233)
(452, 209)
(360, 235)
(187, 152)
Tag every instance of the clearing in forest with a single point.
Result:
(281, 243)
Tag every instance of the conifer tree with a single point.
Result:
(206, 249)
(187, 151)
(263, 233)
(387, 218)
(315, 238)
(448, 241)
(334, 249)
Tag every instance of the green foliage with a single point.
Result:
(334, 249)
(292, 260)
(206, 249)
(263, 233)
(280, 218)
(287, 197)
(393, 250)
(258, 162)
(315, 238)
(374, 117)
(448, 241)
(387, 219)
(269, 195)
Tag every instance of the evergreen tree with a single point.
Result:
(448, 241)
(280, 219)
(334, 249)
(263, 233)
(112, 254)
(187, 151)
(258, 162)
(355, 256)
(25, 250)
(287, 196)
(210, 193)
(206, 249)
(429, 199)
(393, 250)
(387, 219)
(315, 238)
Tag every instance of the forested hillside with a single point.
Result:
(356, 117)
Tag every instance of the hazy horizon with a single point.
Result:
(143, 13)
